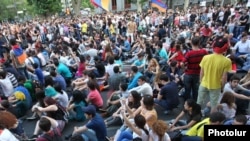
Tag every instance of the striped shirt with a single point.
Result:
(193, 59)
(13, 79)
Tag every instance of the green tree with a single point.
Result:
(46, 7)
(87, 4)
(8, 9)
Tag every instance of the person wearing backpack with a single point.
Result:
(49, 134)
(18, 56)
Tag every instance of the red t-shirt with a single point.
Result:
(95, 98)
(206, 31)
(81, 68)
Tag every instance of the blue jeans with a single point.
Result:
(89, 135)
(238, 30)
(165, 104)
(242, 105)
(125, 136)
(191, 85)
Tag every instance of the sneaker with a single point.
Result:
(33, 138)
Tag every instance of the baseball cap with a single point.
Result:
(90, 109)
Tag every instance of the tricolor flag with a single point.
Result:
(159, 5)
(104, 4)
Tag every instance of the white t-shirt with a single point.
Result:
(156, 137)
(62, 99)
(6, 135)
(143, 136)
(109, 69)
(7, 87)
(42, 58)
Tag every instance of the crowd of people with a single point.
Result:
(58, 68)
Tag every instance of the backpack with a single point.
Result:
(20, 55)
(57, 136)
(64, 112)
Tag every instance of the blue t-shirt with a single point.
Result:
(61, 81)
(40, 76)
(26, 93)
(97, 124)
(169, 93)
(139, 62)
(37, 61)
(163, 54)
(133, 83)
(64, 70)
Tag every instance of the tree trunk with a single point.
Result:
(139, 6)
(186, 4)
(76, 4)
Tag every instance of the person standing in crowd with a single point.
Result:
(192, 71)
(18, 56)
(131, 29)
(214, 71)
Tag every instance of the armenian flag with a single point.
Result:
(159, 5)
(104, 4)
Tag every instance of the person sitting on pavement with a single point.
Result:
(134, 76)
(192, 112)
(94, 96)
(76, 103)
(52, 110)
(144, 87)
(95, 128)
(197, 131)
(51, 129)
(159, 131)
(133, 102)
(168, 96)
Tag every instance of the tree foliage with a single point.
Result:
(87, 4)
(46, 7)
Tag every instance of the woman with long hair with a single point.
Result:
(107, 53)
(192, 111)
(152, 70)
(159, 131)
(133, 103)
(10, 127)
(81, 66)
(227, 105)
(77, 102)
(52, 110)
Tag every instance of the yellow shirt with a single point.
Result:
(112, 29)
(198, 129)
(214, 65)
(84, 28)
